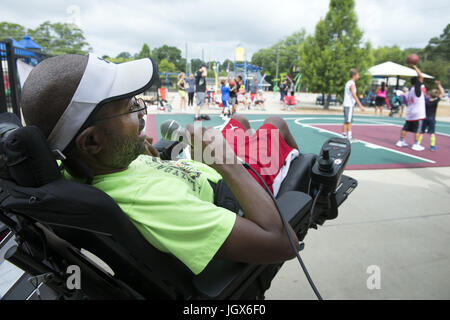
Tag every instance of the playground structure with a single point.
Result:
(246, 70)
(296, 81)
(166, 76)
(242, 67)
(14, 54)
(216, 76)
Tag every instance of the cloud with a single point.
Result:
(216, 27)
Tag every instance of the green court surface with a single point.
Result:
(375, 149)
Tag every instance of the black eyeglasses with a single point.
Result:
(137, 105)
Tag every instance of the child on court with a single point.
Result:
(415, 111)
(259, 100)
(225, 99)
(182, 91)
(381, 98)
(350, 99)
(429, 125)
(404, 103)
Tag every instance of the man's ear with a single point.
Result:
(90, 141)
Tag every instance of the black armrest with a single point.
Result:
(294, 207)
(299, 176)
(222, 279)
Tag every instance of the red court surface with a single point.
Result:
(387, 136)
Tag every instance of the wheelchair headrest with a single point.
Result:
(25, 156)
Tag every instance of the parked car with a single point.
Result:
(334, 100)
(367, 101)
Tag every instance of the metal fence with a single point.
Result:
(9, 84)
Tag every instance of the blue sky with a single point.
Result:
(216, 27)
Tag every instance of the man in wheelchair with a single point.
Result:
(210, 220)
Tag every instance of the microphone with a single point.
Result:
(173, 131)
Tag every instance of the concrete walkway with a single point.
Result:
(397, 221)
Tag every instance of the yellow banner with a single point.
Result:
(239, 54)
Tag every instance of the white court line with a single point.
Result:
(368, 144)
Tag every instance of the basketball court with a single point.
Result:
(375, 148)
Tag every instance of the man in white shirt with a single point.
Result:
(350, 98)
(415, 111)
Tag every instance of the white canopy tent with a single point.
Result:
(391, 69)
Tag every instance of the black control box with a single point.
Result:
(331, 164)
(327, 177)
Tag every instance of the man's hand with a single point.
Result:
(210, 147)
(419, 73)
(260, 237)
(149, 148)
(362, 108)
(441, 89)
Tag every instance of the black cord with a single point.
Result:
(285, 224)
(311, 215)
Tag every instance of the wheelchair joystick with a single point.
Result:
(325, 163)
(326, 177)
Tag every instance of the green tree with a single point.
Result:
(266, 58)
(285, 53)
(171, 54)
(119, 59)
(124, 55)
(144, 53)
(11, 30)
(327, 57)
(440, 69)
(165, 66)
(439, 47)
(435, 58)
(195, 65)
(394, 54)
(60, 38)
(226, 65)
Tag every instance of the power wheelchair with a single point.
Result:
(57, 224)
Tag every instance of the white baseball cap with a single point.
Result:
(102, 82)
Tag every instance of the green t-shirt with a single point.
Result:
(172, 205)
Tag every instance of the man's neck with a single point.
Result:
(101, 172)
(86, 169)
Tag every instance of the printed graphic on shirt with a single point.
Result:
(180, 169)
